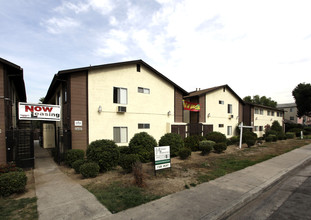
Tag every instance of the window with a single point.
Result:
(143, 126)
(120, 134)
(256, 128)
(229, 130)
(272, 113)
(143, 90)
(119, 95)
(291, 109)
(65, 94)
(221, 102)
(138, 67)
(256, 111)
(221, 125)
(260, 128)
(269, 113)
(59, 99)
(229, 108)
(261, 111)
(291, 118)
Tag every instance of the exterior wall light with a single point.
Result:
(100, 109)
(209, 115)
(169, 113)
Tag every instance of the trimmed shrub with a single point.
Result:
(105, 153)
(73, 155)
(290, 135)
(124, 150)
(234, 140)
(193, 142)
(127, 161)
(9, 167)
(89, 169)
(296, 131)
(282, 136)
(77, 164)
(173, 140)
(206, 147)
(220, 147)
(143, 145)
(250, 142)
(184, 153)
(12, 182)
(249, 136)
(271, 138)
(217, 137)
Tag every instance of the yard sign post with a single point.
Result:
(241, 132)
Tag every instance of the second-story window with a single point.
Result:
(119, 95)
(143, 90)
(229, 108)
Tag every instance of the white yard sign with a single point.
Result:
(162, 157)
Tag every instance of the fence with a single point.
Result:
(20, 147)
(63, 144)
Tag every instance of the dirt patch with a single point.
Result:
(185, 172)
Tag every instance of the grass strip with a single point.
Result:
(117, 197)
(18, 209)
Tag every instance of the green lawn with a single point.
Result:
(18, 209)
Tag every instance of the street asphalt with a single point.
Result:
(61, 198)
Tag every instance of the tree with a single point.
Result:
(302, 95)
(261, 100)
(41, 100)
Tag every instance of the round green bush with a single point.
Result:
(89, 169)
(250, 142)
(105, 153)
(76, 165)
(124, 150)
(249, 136)
(206, 146)
(193, 142)
(217, 137)
(220, 147)
(12, 182)
(290, 135)
(127, 160)
(234, 140)
(269, 138)
(173, 140)
(73, 155)
(184, 153)
(143, 145)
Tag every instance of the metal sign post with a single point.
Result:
(241, 126)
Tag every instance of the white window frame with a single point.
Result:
(121, 96)
(143, 126)
(230, 108)
(143, 90)
(120, 134)
(229, 130)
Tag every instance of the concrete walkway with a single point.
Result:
(58, 196)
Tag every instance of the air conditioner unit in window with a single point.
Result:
(121, 109)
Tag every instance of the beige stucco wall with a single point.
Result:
(150, 108)
(218, 113)
(265, 119)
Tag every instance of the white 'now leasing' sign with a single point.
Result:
(162, 157)
(27, 111)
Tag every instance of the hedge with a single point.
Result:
(12, 182)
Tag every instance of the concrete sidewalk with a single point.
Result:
(58, 196)
(217, 198)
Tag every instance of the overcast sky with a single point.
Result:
(256, 47)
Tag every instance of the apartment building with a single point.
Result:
(260, 116)
(115, 101)
(12, 91)
(221, 109)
